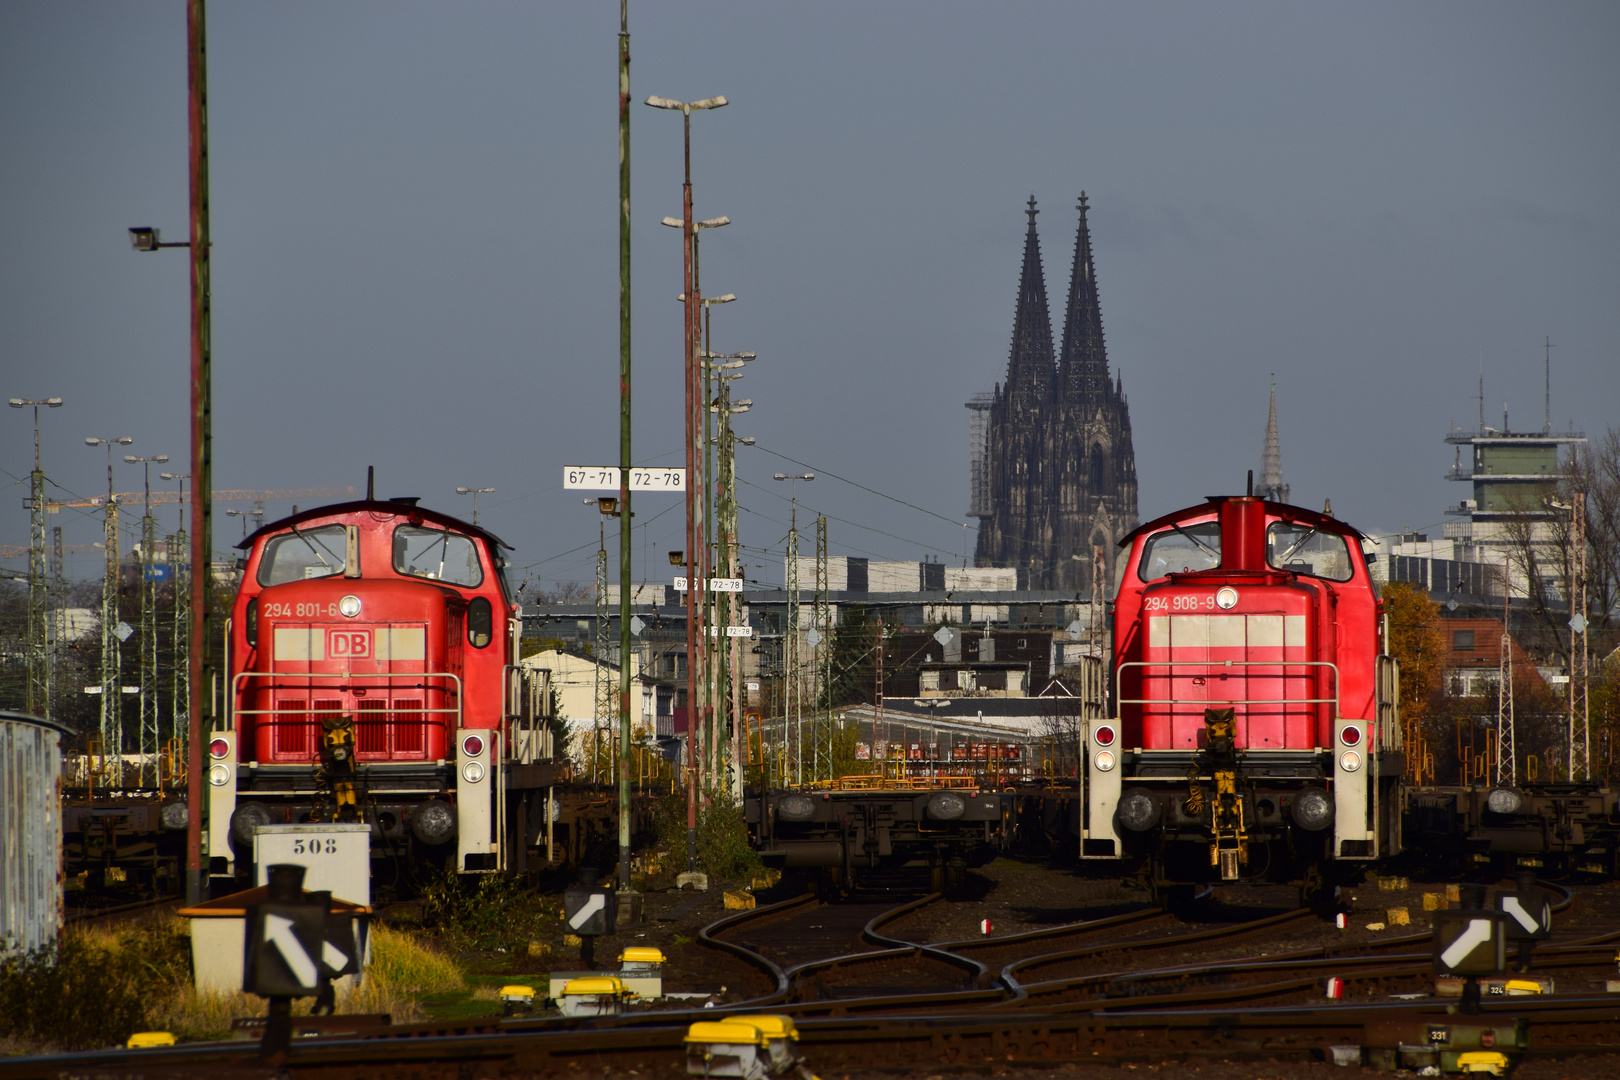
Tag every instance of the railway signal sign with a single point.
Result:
(285, 948)
(589, 912)
(1529, 917)
(1469, 942)
(606, 478)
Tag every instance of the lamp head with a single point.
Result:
(144, 238)
(676, 558)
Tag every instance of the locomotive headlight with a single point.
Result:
(472, 772)
(219, 775)
(1138, 810)
(796, 808)
(349, 607)
(1503, 801)
(1312, 810)
(1226, 598)
(1104, 760)
(1349, 761)
(946, 806)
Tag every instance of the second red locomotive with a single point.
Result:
(1254, 735)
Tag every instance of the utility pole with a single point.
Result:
(112, 690)
(880, 729)
(151, 742)
(1507, 769)
(729, 672)
(624, 445)
(180, 564)
(821, 724)
(604, 677)
(38, 700)
(202, 446)
(1580, 721)
(792, 711)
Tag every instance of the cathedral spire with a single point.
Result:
(1271, 486)
(1030, 366)
(1083, 363)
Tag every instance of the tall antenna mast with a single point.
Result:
(1546, 375)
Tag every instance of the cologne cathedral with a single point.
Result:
(1053, 471)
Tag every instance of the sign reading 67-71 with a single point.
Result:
(606, 478)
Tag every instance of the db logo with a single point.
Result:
(348, 644)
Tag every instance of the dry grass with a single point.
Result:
(138, 978)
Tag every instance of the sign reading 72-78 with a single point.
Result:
(606, 478)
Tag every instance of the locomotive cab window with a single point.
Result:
(436, 555)
(480, 622)
(1178, 551)
(304, 554)
(1308, 551)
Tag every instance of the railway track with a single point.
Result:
(852, 1012)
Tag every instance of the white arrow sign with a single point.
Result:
(595, 904)
(278, 931)
(1514, 907)
(1477, 934)
(333, 956)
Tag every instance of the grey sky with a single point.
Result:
(415, 229)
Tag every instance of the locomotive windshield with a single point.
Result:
(1308, 551)
(303, 554)
(437, 555)
(1180, 550)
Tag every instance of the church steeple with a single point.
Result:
(1030, 366)
(1271, 485)
(1083, 363)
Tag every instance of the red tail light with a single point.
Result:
(472, 745)
(1104, 736)
(1350, 735)
(219, 748)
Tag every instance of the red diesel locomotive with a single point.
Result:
(395, 627)
(1254, 735)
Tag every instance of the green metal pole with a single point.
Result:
(624, 444)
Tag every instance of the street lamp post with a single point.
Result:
(151, 737)
(112, 724)
(38, 698)
(200, 659)
(693, 424)
(792, 697)
(474, 492)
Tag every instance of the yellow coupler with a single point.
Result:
(594, 995)
(726, 1048)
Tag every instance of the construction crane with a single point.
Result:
(159, 498)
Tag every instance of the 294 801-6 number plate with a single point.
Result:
(311, 610)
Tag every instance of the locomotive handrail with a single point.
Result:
(236, 688)
(1119, 699)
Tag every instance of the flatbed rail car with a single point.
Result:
(860, 826)
(373, 675)
(1562, 827)
(1254, 734)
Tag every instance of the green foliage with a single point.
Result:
(485, 912)
(93, 990)
(723, 850)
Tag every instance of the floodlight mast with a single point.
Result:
(694, 421)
